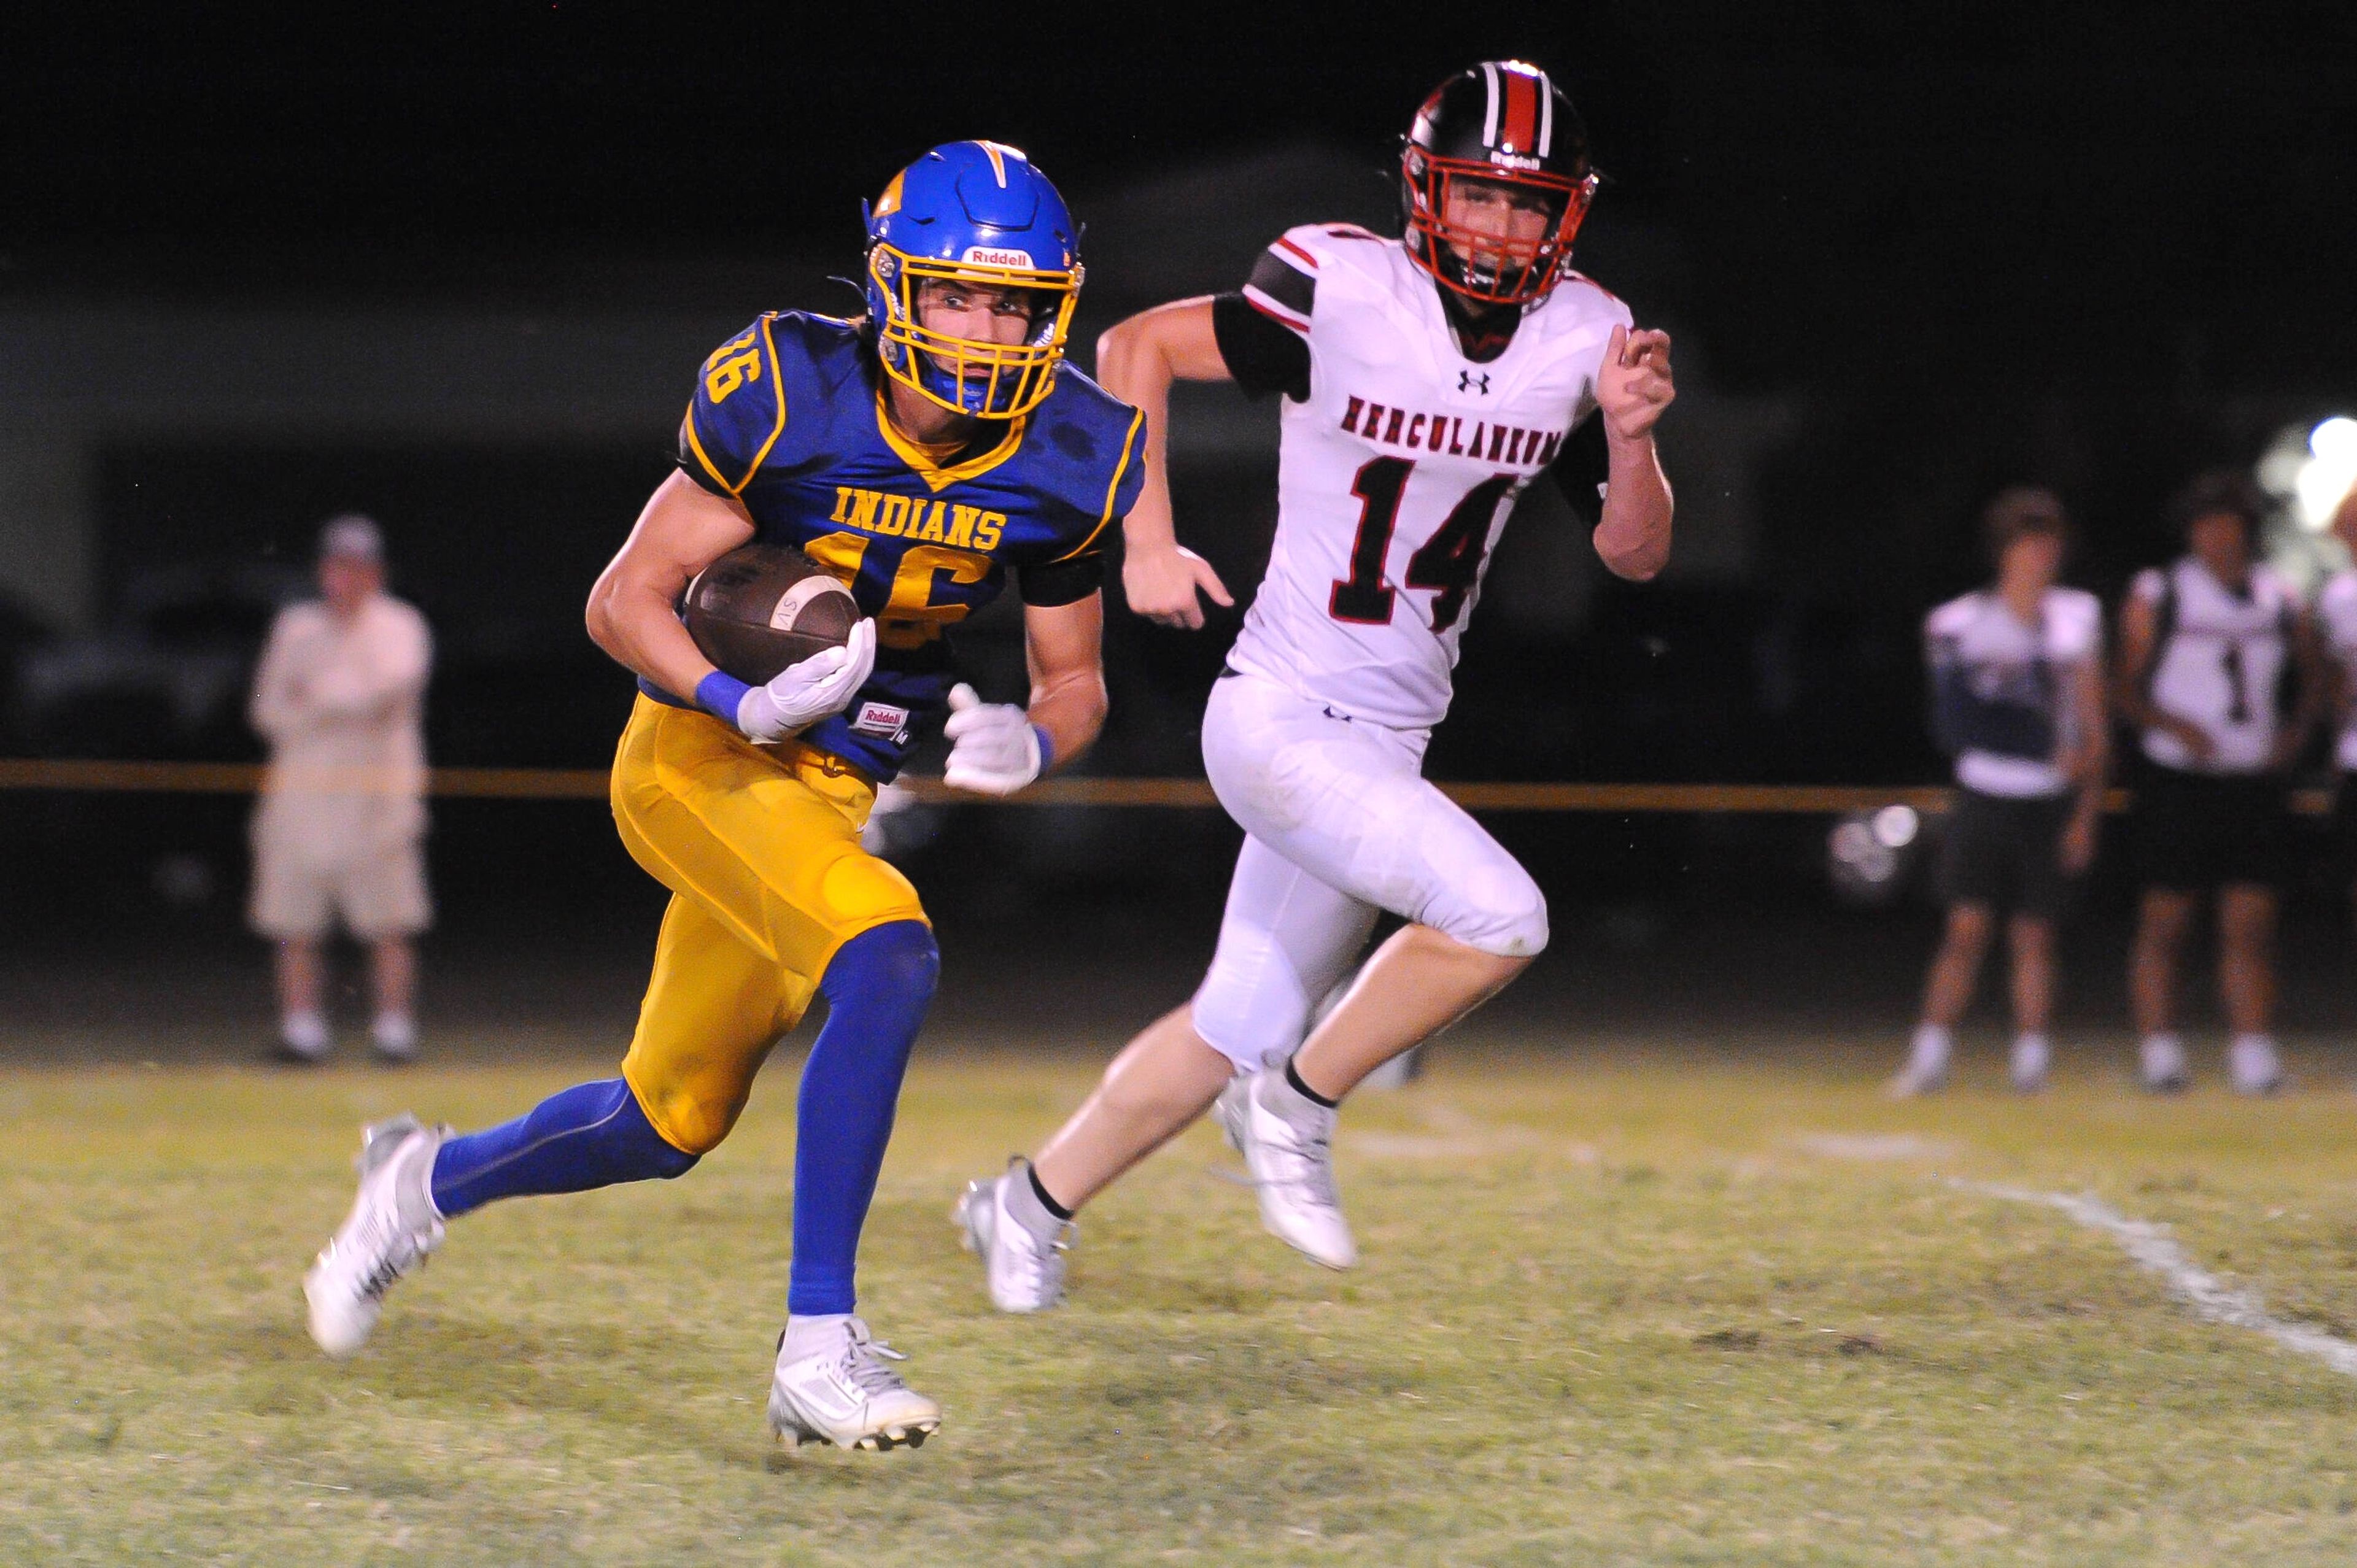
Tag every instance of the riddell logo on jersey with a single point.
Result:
(1509, 445)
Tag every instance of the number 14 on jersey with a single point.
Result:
(1449, 563)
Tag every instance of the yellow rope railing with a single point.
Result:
(589, 784)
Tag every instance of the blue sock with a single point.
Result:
(876, 991)
(593, 1135)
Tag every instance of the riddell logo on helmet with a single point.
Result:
(1516, 160)
(990, 257)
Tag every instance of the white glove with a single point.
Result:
(994, 747)
(801, 695)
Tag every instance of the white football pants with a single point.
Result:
(1339, 823)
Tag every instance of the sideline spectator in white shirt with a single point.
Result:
(338, 832)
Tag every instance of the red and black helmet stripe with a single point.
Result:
(1507, 107)
(1520, 116)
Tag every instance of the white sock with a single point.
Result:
(2162, 1053)
(808, 1334)
(306, 1032)
(2033, 1043)
(2251, 1062)
(395, 1033)
(1932, 1042)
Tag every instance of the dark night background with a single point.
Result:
(1909, 254)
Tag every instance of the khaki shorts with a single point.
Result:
(377, 895)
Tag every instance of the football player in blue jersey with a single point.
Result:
(921, 455)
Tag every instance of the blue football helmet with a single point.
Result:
(977, 213)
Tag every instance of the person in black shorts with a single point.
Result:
(2017, 696)
(2221, 672)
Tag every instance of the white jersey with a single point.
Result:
(1397, 473)
(1999, 658)
(341, 703)
(2220, 662)
(2337, 608)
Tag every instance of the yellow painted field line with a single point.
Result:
(1188, 794)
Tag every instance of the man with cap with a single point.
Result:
(340, 699)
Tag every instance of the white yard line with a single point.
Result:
(2153, 1249)
(2147, 1243)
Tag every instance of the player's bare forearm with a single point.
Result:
(1633, 538)
(1138, 362)
(2139, 635)
(2089, 765)
(1634, 388)
(1063, 644)
(2093, 778)
(631, 613)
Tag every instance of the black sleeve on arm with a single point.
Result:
(1054, 583)
(693, 466)
(1579, 470)
(1263, 355)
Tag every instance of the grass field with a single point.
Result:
(1615, 1308)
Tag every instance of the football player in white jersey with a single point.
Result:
(1428, 382)
(2017, 697)
(2207, 645)
(2336, 611)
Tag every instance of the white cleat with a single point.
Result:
(2252, 1066)
(1292, 1165)
(2031, 1058)
(391, 1230)
(393, 1038)
(1916, 1080)
(2161, 1065)
(1025, 1270)
(837, 1390)
(304, 1039)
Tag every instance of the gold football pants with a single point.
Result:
(760, 846)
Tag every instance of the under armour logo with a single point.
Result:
(1466, 381)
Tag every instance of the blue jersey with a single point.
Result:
(788, 419)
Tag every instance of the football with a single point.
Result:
(763, 606)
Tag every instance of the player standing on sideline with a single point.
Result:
(2206, 644)
(2336, 610)
(2017, 675)
(920, 453)
(1427, 381)
(339, 695)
